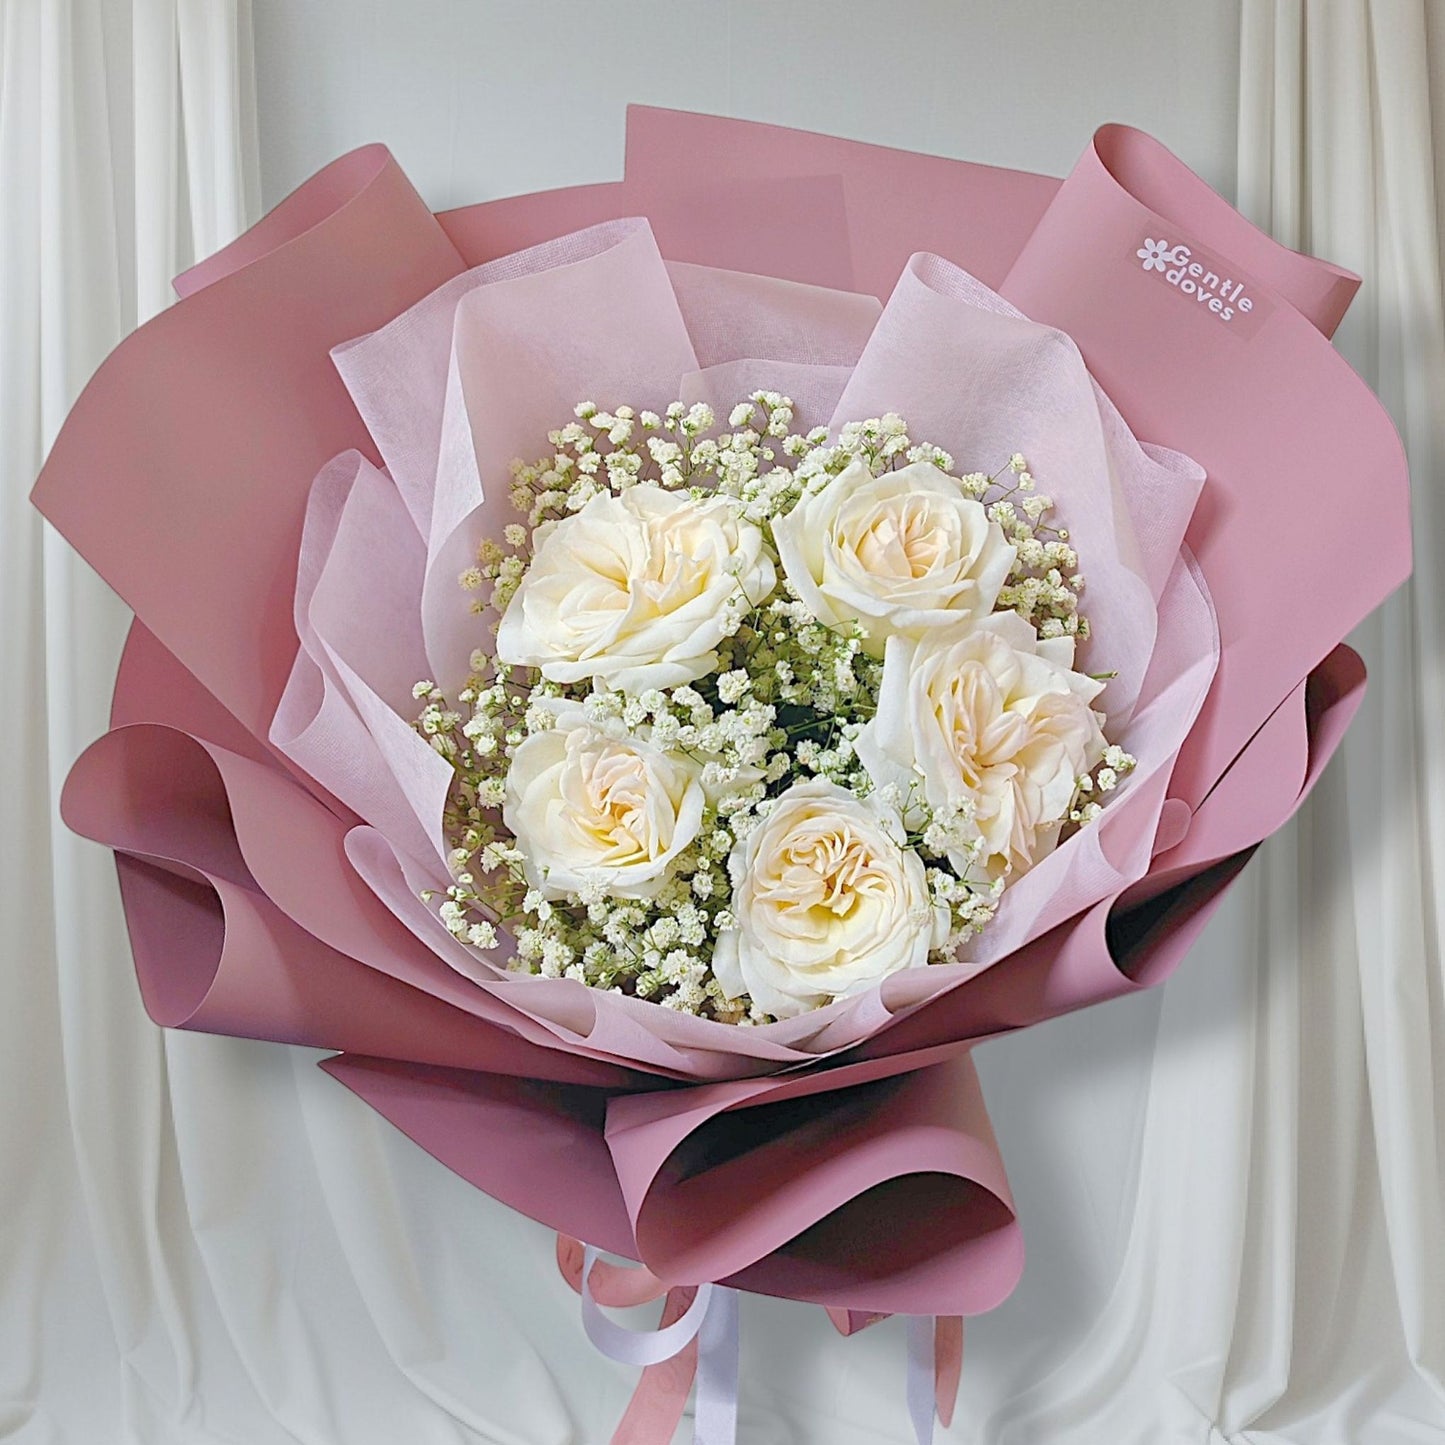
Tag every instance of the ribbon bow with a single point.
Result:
(697, 1336)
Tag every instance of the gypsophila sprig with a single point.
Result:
(675, 765)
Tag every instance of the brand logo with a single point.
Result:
(1198, 277)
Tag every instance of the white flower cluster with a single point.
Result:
(769, 715)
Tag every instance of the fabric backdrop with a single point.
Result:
(1232, 1189)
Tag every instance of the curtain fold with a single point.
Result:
(1352, 174)
(95, 218)
(1284, 1280)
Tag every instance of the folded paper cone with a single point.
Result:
(284, 474)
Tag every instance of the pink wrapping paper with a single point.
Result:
(270, 861)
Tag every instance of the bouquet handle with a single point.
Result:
(697, 1338)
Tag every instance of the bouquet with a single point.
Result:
(688, 660)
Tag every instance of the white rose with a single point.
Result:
(991, 715)
(905, 553)
(635, 590)
(827, 900)
(588, 808)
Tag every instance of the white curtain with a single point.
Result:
(1232, 1189)
(127, 146)
(1284, 1277)
(1342, 141)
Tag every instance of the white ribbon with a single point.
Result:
(921, 1386)
(716, 1419)
(711, 1319)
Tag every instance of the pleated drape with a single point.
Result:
(1284, 1279)
(127, 142)
(1341, 140)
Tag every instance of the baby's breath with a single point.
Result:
(786, 701)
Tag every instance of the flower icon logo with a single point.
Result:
(1154, 254)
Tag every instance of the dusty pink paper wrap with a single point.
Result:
(280, 474)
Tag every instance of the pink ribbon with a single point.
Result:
(697, 1336)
